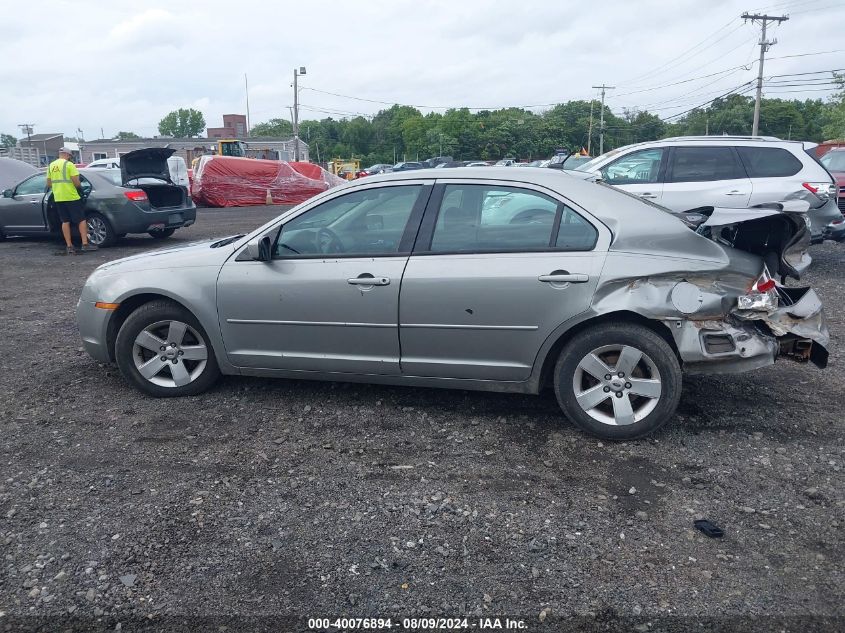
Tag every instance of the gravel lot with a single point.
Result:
(265, 499)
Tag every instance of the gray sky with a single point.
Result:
(123, 65)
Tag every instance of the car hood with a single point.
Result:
(201, 253)
(149, 162)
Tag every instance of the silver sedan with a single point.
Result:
(491, 279)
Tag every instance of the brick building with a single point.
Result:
(234, 126)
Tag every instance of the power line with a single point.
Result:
(745, 88)
(687, 51)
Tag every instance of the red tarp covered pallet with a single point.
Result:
(227, 181)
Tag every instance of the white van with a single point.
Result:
(176, 164)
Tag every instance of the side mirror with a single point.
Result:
(259, 249)
(7, 193)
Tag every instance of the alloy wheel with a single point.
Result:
(617, 385)
(97, 231)
(170, 353)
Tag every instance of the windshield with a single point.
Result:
(574, 162)
(593, 164)
(834, 161)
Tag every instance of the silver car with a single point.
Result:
(427, 279)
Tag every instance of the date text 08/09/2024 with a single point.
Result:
(415, 624)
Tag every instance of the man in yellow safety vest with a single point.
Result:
(63, 179)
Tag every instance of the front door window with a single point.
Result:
(369, 222)
(641, 167)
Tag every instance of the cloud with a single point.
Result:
(130, 63)
(153, 27)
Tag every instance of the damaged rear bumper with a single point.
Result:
(748, 339)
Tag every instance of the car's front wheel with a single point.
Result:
(618, 381)
(163, 350)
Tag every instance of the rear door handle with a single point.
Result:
(35, 202)
(564, 277)
(648, 195)
(369, 280)
(735, 193)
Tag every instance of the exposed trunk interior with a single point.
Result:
(163, 196)
(779, 237)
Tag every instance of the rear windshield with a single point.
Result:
(834, 161)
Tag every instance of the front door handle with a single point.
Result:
(562, 277)
(648, 195)
(35, 202)
(368, 280)
(735, 193)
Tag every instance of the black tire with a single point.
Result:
(162, 234)
(607, 341)
(146, 316)
(100, 230)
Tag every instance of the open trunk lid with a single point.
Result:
(778, 232)
(149, 162)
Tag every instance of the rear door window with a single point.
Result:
(479, 219)
(704, 164)
(769, 162)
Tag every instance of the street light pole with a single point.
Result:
(296, 74)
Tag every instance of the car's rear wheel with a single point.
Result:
(618, 381)
(162, 234)
(100, 231)
(163, 350)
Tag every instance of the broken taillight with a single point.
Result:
(763, 294)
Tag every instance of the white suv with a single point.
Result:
(686, 172)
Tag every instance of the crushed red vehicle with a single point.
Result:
(228, 181)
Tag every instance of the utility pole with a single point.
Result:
(764, 46)
(590, 130)
(601, 123)
(296, 73)
(246, 88)
(28, 129)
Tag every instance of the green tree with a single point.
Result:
(834, 127)
(182, 123)
(7, 140)
(273, 127)
(126, 136)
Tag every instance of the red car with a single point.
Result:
(834, 161)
